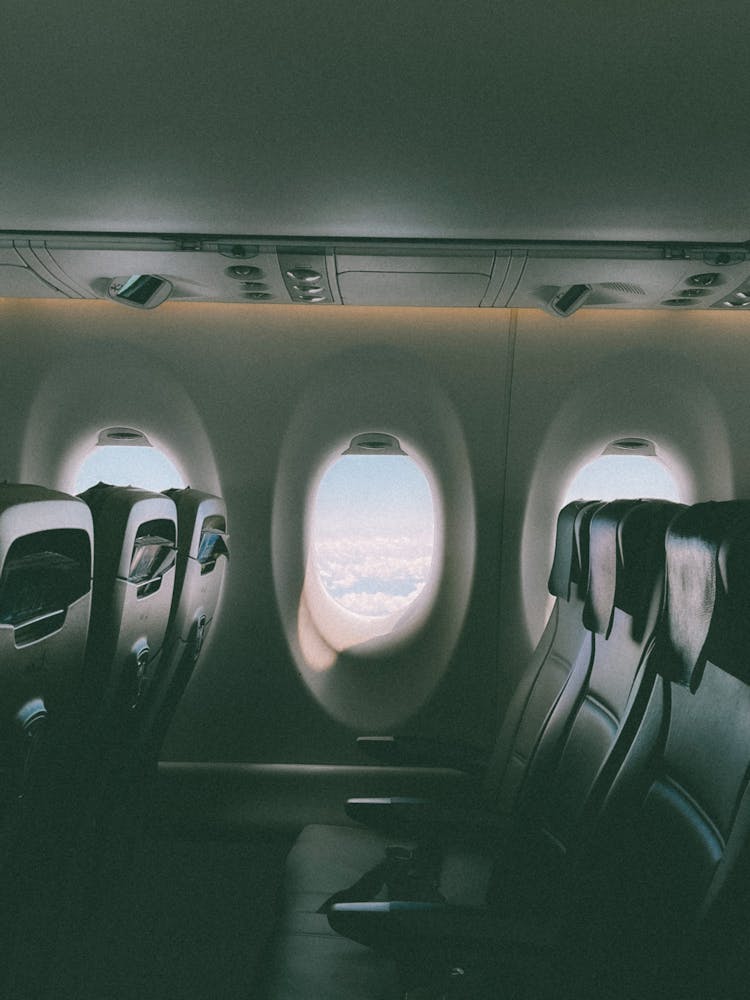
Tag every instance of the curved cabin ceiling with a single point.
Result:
(465, 120)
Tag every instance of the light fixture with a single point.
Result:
(374, 443)
(568, 300)
(127, 436)
(630, 446)
(140, 291)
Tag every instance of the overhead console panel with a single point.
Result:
(621, 283)
(144, 271)
(416, 280)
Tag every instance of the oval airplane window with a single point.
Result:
(624, 477)
(372, 536)
(125, 457)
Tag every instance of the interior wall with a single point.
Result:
(380, 684)
(217, 385)
(217, 388)
(583, 382)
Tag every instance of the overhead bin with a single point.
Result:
(411, 280)
(18, 280)
(22, 283)
(626, 284)
(558, 277)
(193, 275)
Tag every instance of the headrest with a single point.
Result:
(202, 535)
(627, 561)
(27, 508)
(570, 564)
(201, 524)
(603, 564)
(45, 558)
(708, 592)
(135, 532)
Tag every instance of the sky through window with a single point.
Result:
(623, 477)
(121, 465)
(373, 533)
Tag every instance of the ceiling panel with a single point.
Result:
(345, 118)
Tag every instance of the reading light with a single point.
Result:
(630, 446)
(374, 443)
(141, 291)
(128, 436)
(569, 299)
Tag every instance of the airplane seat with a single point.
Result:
(325, 858)
(575, 739)
(46, 544)
(202, 557)
(135, 544)
(46, 547)
(669, 883)
(134, 550)
(567, 784)
(567, 777)
(135, 547)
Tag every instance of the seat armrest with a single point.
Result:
(386, 925)
(402, 925)
(427, 819)
(418, 751)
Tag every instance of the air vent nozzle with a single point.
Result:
(623, 287)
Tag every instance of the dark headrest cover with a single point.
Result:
(565, 564)
(641, 541)
(598, 610)
(700, 600)
(582, 545)
(728, 642)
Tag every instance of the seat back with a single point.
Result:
(135, 534)
(622, 606)
(46, 546)
(673, 858)
(202, 558)
(552, 681)
(46, 549)
(568, 778)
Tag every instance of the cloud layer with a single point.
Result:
(376, 575)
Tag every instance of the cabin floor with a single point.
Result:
(186, 919)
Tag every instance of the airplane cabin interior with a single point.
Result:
(374, 501)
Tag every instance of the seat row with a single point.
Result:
(604, 849)
(105, 601)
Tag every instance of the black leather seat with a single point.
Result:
(653, 898)
(325, 859)
(557, 752)
(669, 881)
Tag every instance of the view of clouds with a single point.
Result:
(374, 576)
(373, 533)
